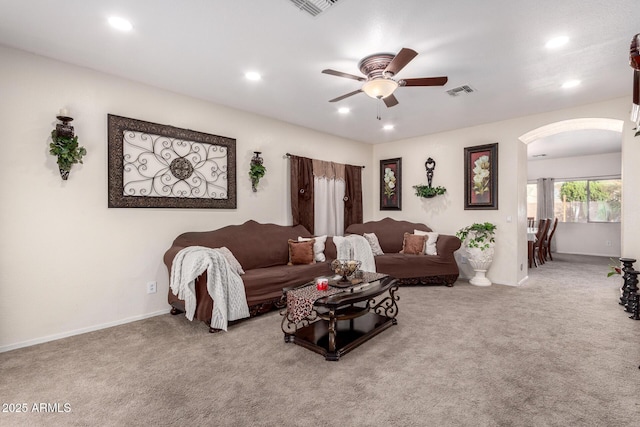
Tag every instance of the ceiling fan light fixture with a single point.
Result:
(379, 88)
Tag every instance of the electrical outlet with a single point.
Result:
(151, 287)
(608, 242)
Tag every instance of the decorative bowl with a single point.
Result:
(345, 267)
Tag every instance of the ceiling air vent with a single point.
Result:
(460, 90)
(314, 7)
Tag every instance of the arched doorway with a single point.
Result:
(585, 156)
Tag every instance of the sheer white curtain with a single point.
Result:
(328, 198)
(545, 198)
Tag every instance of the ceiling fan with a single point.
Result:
(380, 68)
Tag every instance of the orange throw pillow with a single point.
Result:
(301, 252)
(413, 244)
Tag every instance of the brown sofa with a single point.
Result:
(263, 252)
(411, 269)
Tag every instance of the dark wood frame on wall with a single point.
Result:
(394, 202)
(176, 150)
(484, 193)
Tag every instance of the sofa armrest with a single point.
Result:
(169, 256)
(447, 245)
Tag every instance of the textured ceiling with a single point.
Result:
(203, 48)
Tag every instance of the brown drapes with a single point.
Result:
(302, 191)
(353, 196)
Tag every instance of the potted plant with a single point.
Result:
(427, 191)
(478, 240)
(68, 151)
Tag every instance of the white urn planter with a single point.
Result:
(480, 260)
(478, 241)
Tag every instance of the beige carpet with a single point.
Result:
(558, 351)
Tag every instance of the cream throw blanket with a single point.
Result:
(224, 284)
(358, 247)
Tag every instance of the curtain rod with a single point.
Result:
(578, 178)
(289, 155)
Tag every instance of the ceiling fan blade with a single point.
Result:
(424, 81)
(341, 74)
(400, 60)
(390, 101)
(340, 98)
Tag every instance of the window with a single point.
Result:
(588, 200)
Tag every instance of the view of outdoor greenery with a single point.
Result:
(582, 201)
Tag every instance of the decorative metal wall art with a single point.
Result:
(391, 184)
(158, 166)
(481, 177)
(427, 191)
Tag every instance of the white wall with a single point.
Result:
(446, 214)
(602, 239)
(609, 164)
(69, 264)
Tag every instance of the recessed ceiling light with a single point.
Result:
(570, 83)
(557, 42)
(252, 75)
(388, 127)
(344, 110)
(120, 23)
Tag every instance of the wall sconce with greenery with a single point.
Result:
(256, 170)
(65, 145)
(427, 191)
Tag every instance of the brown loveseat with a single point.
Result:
(263, 252)
(411, 269)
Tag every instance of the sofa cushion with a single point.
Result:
(373, 242)
(413, 244)
(318, 246)
(264, 284)
(430, 245)
(301, 252)
(404, 266)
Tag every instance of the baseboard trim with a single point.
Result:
(93, 328)
(588, 254)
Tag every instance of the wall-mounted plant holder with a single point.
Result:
(65, 145)
(256, 170)
(428, 191)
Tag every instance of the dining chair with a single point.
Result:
(538, 245)
(531, 222)
(547, 245)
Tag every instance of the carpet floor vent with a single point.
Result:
(461, 90)
(314, 7)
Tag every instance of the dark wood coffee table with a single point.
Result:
(340, 322)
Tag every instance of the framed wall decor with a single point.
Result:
(481, 177)
(391, 184)
(158, 166)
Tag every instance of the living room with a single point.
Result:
(71, 265)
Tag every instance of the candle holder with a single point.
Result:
(65, 146)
